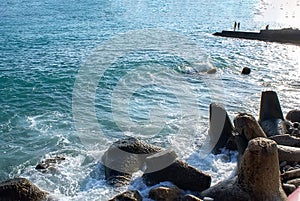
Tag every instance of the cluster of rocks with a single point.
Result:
(268, 162)
(267, 169)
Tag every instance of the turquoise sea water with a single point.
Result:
(147, 90)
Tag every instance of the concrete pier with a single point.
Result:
(288, 35)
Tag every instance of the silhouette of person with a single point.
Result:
(238, 25)
(267, 27)
(234, 27)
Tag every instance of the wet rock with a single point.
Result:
(125, 157)
(21, 189)
(293, 115)
(130, 195)
(181, 174)
(246, 71)
(165, 194)
(258, 176)
(220, 127)
(49, 164)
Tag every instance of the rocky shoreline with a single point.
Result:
(268, 162)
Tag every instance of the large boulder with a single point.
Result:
(125, 157)
(258, 176)
(21, 189)
(178, 172)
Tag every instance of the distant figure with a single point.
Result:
(246, 71)
(234, 27)
(238, 25)
(267, 27)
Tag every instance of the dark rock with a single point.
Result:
(160, 160)
(258, 176)
(293, 115)
(270, 116)
(125, 157)
(220, 127)
(211, 71)
(49, 164)
(246, 71)
(131, 195)
(165, 194)
(20, 189)
(181, 174)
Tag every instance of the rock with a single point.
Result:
(21, 189)
(190, 197)
(211, 71)
(246, 71)
(293, 115)
(288, 175)
(125, 157)
(220, 127)
(286, 140)
(289, 154)
(270, 116)
(130, 195)
(247, 126)
(160, 160)
(49, 164)
(288, 188)
(248, 129)
(258, 176)
(295, 182)
(181, 174)
(274, 127)
(165, 194)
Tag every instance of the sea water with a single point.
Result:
(78, 75)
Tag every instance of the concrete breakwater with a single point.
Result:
(287, 35)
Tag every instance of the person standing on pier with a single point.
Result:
(234, 27)
(238, 25)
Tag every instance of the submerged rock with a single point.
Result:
(21, 189)
(246, 71)
(125, 157)
(258, 176)
(49, 164)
